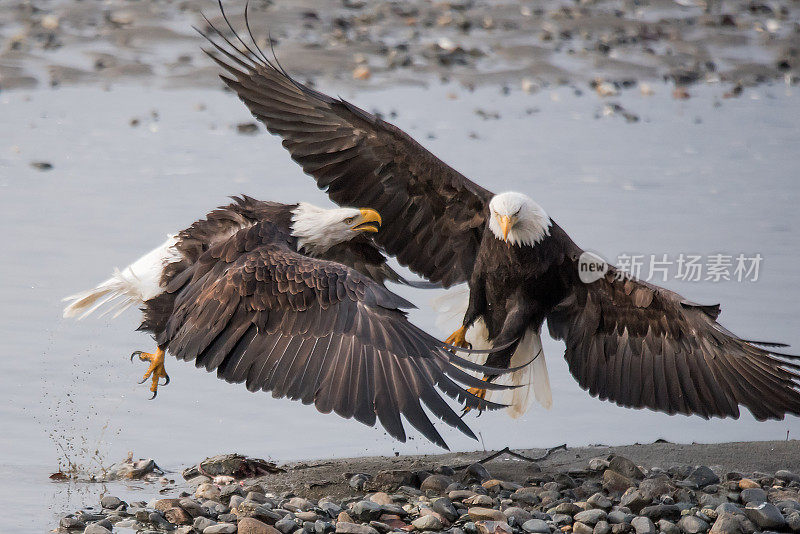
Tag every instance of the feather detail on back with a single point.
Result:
(134, 284)
(532, 378)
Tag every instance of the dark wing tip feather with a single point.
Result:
(276, 336)
(671, 355)
(770, 344)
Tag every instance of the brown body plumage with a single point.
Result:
(240, 293)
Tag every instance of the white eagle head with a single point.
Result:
(518, 220)
(318, 229)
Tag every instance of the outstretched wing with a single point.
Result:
(433, 217)
(644, 346)
(258, 312)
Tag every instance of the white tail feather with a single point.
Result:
(532, 378)
(134, 284)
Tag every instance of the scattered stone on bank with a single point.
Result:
(42, 165)
(766, 515)
(643, 525)
(610, 496)
(141, 469)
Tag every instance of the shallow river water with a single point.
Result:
(704, 176)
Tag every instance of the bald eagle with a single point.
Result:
(627, 341)
(290, 299)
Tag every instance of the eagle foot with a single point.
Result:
(155, 371)
(459, 338)
(481, 394)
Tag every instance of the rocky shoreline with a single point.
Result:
(601, 46)
(642, 489)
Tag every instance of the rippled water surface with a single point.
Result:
(702, 176)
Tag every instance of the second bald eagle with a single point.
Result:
(627, 341)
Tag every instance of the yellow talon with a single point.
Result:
(156, 369)
(458, 338)
(478, 392)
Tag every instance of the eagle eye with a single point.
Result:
(349, 220)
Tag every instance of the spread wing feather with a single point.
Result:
(643, 346)
(258, 312)
(361, 160)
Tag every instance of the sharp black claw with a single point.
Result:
(154, 395)
(142, 381)
(166, 380)
(135, 353)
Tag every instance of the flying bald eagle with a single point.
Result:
(290, 299)
(627, 341)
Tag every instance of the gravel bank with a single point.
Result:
(736, 488)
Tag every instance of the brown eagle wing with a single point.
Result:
(641, 345)
(258, 312)
(433, 216)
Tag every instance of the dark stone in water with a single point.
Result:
(71, 523)
(89, 517)
(42, 165)
(247, 128)
(111, 502)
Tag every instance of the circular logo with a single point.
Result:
(591, 267)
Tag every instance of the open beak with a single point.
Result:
(370, 221)
(505, 226)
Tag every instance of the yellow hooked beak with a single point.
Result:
(505, 226)
(369, 222)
